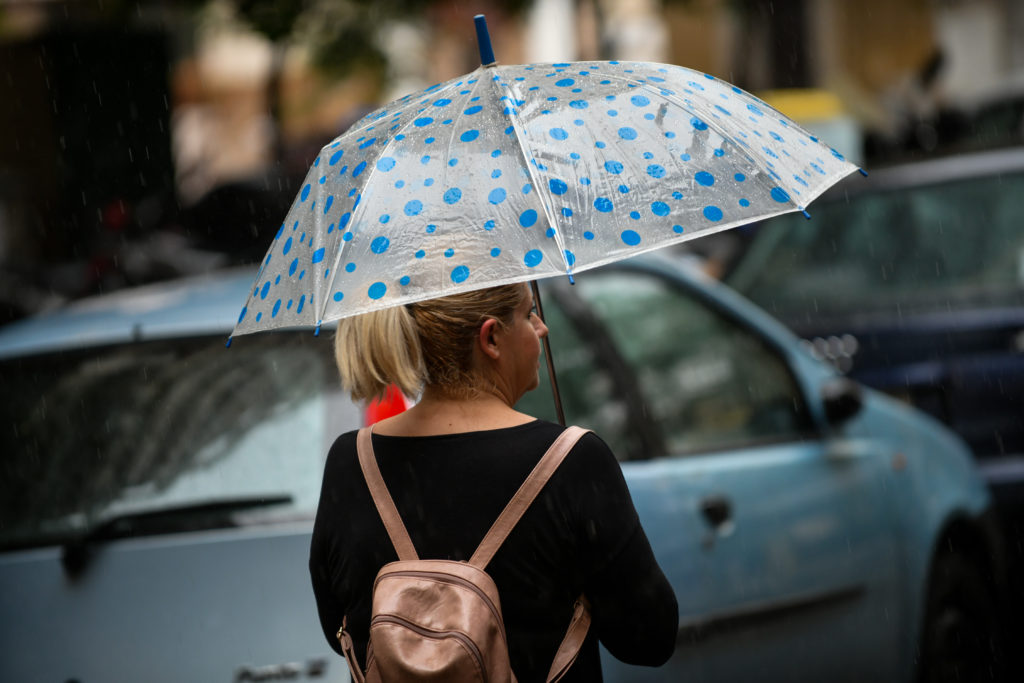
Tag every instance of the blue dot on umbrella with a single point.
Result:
(287, 247)
(613, 166)
(350, 267)
(712, 213)
(533, 258)
(615, 112)
(305, 192)
(588, 235)
(423, 121)
(367, 143)
(627, 133)
(266, 288)
(684, 156)
(558, 133)
(550, 232)
(579, 104)
(460, 274)
(347, 236)
(420, 254)
(660, 208)
(428, 182)
(489, 225)
(430, 228)
(565, 82)
(584, 180)
(358, 169)
(302, 302)
(380, 245)
(600, 145)
(336, 157)
(448, 253)
(656, 171)
(497, 195)
(318, 255)
(413, 207)
(400, 184)
(704, 178)
(698, 124)
(338, 296)
(635, 215)
(677, 195)
(443, 102)
(778, 194)
(470, 135)
(377, 290)
(639, 100)
(495, 252)
(603, 204)
(452, 195)
(566, 211)
(385, 164)
(429, 140)
(744, 202)
(277, 307)
(384, 218)
(405, 280)
(630, 237)
(527, 218)
(558, 186)
(623, 189)
(526, 188)
(292, 268)
(677, 229)
(740, 177)
(570, 257)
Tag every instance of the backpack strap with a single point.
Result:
(382, 498)
(525, 495)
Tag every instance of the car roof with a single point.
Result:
(931, 171)
(201, 305)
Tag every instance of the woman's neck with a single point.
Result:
(436, 414)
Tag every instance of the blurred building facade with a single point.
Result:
(182, 139)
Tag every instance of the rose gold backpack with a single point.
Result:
(440, 620)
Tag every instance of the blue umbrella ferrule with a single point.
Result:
(483, 39)
(316, 332)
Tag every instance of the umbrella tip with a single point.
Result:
(316, 332)
(227, 344)
(863, 172)
(572, 280)
(483, 40)
(804, 212)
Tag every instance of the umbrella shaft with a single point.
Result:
(547, 356)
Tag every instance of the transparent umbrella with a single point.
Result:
(515, 173)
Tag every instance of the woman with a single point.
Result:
(452, 462)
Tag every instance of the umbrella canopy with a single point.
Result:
(514, 173)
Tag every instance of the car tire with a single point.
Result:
(961, 637)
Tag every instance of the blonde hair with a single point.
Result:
(426, 343)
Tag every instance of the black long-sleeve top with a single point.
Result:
(581, 535)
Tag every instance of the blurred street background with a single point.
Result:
(147, 140)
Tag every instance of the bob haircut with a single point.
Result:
(429, 343)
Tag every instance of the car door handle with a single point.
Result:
(717, 510)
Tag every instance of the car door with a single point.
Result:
(774, 537)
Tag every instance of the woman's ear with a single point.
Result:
(488, 338)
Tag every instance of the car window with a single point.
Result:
(149, 426)
(941, 247)
(656, 371)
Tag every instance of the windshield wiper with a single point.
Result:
(201, 515)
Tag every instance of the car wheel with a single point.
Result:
(961, 636)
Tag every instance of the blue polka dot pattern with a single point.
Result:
(517, 172)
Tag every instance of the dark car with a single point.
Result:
(912, 282)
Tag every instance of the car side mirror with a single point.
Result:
(842, 399)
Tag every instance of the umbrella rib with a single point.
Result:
(711, 124)
(544, 204)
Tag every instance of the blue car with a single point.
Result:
(158, 490)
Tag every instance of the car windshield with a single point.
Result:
(169, 425)
(942, 247)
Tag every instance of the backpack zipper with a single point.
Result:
(436, 635)
(448, 578)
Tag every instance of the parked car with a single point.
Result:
(912, 282)
(158, 490)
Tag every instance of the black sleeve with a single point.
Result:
(633, 606)
(325, 553)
